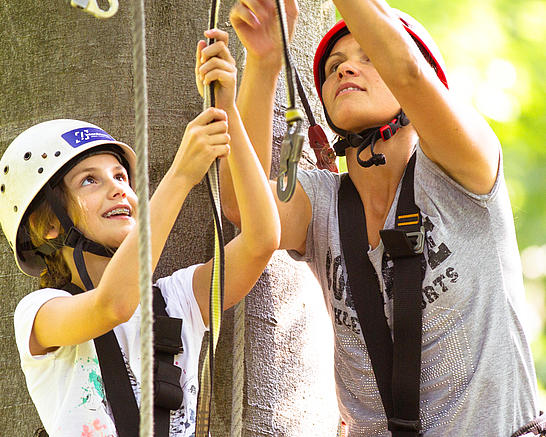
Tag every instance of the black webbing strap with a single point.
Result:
(168, 394)
(116, 380)
(405, 245)
(364, 287)
(397, 368)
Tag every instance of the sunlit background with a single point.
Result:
(496, 59)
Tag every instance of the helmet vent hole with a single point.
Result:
(15, 208)
(40, 170)
(2, 188)
(27, 156)
(44, 155)
(6, 169)
(57, 153)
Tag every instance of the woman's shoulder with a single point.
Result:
(318, 184)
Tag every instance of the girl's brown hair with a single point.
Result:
(57, 273)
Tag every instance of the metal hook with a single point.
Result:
(291, 148)
(91, 7)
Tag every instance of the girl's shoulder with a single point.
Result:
(177, 291)
(37, 298)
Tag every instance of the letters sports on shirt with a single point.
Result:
(477, 372)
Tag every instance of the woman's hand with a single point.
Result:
(257, 26)
(214, 63)
(205, 139)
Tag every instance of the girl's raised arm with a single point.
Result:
(247, 254)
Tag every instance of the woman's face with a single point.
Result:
(353, 93)
(101, 202)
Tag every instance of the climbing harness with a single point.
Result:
(91, 7)
(168, 394)
(397, 366)
(216, 300)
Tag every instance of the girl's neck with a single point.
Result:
(95, 265)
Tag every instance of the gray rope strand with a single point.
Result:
(144, 233)
(238, 370)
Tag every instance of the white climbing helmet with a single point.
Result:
(31, 161)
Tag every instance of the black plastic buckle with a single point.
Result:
(399, 243)
(386, 132)
(72, 237)
(403, 425)
(418, 240)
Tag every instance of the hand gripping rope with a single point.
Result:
(91, 7)
(217, 279)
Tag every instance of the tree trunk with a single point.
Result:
(58, 62)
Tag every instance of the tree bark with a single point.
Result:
(58, 62)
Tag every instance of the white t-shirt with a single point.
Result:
(66, 385)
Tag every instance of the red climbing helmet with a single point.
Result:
(419, 34)
(368, 137)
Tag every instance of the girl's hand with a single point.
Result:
(205, 139)
(257, 26)
(214, 63)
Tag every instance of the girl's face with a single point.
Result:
(353, 93)
(101, 202)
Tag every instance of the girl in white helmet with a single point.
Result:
(69, 213)
(384, 91)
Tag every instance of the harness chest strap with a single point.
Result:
(168, 394)
(396, 366)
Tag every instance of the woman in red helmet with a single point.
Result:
(384, 90)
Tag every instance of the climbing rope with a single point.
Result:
(142, 191)
(238, 370)
(217, 280)
(144, 233)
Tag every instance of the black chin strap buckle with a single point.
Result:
(387, 132)
(72, 237)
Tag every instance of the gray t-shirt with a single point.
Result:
(477, 374)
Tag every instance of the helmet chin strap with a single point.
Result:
(369, 137)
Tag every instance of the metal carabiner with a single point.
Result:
(91, 7)
(291, 149)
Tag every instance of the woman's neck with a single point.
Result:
(377, 185)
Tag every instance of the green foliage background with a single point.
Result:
(495, 55)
